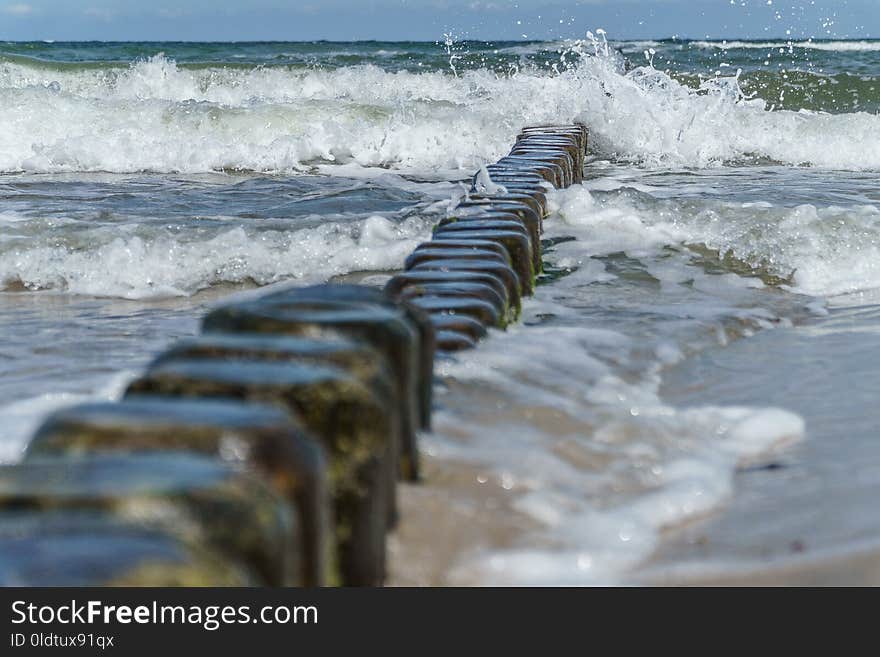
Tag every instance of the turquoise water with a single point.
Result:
(731, 190)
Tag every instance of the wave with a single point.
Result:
(813, 250)
(839, 93)
(143, 263)
(156, 116)
(830, 46)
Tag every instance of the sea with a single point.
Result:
(689, 396)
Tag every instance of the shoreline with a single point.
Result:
(805, 516)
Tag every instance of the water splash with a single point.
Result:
(158, 116)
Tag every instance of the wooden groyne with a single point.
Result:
(267, 450)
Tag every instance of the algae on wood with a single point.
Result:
(352, 423)
(202, 500)
(263, 438)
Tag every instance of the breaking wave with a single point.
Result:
(155, 115)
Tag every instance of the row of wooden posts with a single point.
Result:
(267, 450)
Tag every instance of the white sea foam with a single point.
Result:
(577, 440)
(640, 45)
(160, 264)
(157, 116)
(597, 462)
(830, 46)
(824, 251)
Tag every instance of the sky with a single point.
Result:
(430, 20)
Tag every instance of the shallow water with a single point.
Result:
(728, 225)
(650, 387)
(103, 271)
(159, 236)
(810, 517)
(59, 350)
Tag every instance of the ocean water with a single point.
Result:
(730, 213)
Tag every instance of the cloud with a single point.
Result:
(18, 9)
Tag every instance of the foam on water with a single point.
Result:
(578, 435)
(156, 116)
(830, 46)
(138, 262)
(819, 251)
(576, 439)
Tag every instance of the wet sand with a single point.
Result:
(459, 509)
